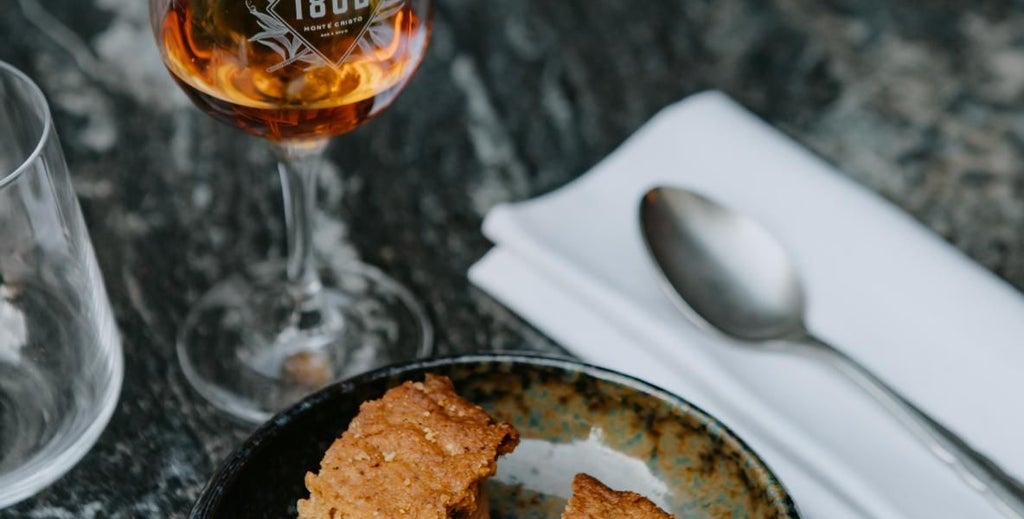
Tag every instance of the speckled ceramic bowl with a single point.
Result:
(572, 418)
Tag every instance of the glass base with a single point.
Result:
(41, 438)
(252, 350)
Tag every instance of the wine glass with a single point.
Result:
(296, 73)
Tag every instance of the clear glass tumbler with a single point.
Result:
(60, 354)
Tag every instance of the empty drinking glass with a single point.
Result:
(60, 354)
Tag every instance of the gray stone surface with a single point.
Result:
(920, 101)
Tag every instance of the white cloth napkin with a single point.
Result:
(942, 330)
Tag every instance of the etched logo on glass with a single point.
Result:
(323, 32)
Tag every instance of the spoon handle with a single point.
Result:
(976, 469)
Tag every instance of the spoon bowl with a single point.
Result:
(732, 273)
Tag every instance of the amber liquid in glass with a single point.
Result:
(292, 70)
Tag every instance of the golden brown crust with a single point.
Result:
(483, 510)
(420, 452)
(591, 499)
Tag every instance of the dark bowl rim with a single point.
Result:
(211, 494)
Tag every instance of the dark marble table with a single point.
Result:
(920, 101)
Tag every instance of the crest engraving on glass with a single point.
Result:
(315, 31)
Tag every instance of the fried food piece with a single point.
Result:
(419, 452)
(591, 499)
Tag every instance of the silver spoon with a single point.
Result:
(730, 275)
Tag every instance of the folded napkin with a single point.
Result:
(942, 330)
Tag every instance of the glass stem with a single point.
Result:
(297, 165)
